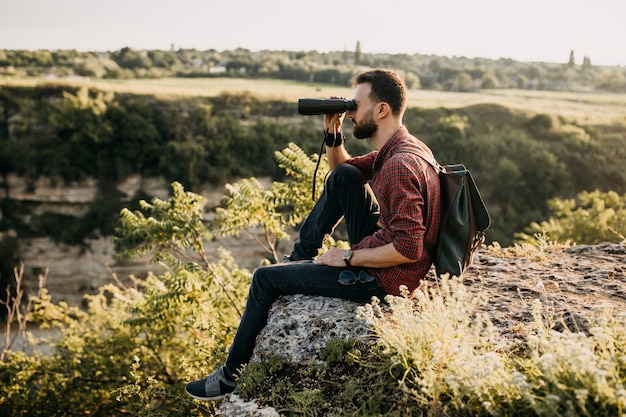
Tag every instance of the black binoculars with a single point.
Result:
(313, 106)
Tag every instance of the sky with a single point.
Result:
(529, 30)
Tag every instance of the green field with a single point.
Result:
(586, 108)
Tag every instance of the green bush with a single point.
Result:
(137, 343)
(593, 217)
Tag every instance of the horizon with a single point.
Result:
(533, 31)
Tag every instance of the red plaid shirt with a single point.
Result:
(408, 193)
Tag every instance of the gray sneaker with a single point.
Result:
(213, 387)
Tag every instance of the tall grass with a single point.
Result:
(453, 360)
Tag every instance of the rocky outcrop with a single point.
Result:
(573, 282)
(74, 270)
(300, 326)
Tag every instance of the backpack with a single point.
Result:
(464, 218)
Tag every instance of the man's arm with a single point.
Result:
(380, 257)
(337, 155)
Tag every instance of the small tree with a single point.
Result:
(594, 217)
(137, 343)
(249, 207)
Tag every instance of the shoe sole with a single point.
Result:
(217, 397)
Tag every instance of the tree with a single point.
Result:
(593, 217)
(464, 82)
(412, 81)
(572, 61)
(357, 53)
(138, 341)
(132, 59)
(489, 82)
(611, 81)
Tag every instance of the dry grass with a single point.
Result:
(582, 107)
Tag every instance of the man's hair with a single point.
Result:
(387, 86)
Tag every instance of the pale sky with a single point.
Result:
(529, 30)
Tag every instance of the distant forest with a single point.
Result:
(420, 71)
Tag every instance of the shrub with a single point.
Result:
(137, 342)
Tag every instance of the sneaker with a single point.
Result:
(213, 387)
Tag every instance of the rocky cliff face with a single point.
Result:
(573, 283)
(75, 270)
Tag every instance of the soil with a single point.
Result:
(571, 282)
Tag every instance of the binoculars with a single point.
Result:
(313, 106)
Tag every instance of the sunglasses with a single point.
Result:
(348, 277)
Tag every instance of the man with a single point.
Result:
(390, 202)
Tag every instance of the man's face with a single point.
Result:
(363, 122)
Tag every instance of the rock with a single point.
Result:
(299, 326)
(76, 270)
(235, 406)
(572, 283)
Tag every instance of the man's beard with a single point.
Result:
(366, 129)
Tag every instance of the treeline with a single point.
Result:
(420, 71)
(518, 161)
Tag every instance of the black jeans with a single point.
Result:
(346, 194)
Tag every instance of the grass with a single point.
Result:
(438, 355)
(582, 107)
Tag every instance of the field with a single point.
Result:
(583, 107)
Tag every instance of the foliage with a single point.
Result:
(136, 343)
(132, 348)
(521, 162)
(249, 206)
(439, 355)
(347, 383)
(70, 134)
(333, 67)
(129, 350)
(593, 217)
(451, 361)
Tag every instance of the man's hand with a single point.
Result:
(333, 257)
(380, 257)
(333, 122)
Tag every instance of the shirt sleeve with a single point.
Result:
(403, 224)
(365, 163)
(407, 221)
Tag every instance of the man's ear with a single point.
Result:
(383, 109)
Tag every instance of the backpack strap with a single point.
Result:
(425, 155)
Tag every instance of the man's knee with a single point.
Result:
(265, 285)
(346, 175)
(260, 277)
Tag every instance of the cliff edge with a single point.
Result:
(572, 281)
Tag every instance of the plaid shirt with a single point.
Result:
(408, 193)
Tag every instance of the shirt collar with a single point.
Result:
(391, 146)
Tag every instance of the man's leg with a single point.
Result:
(269, 283)
(273, 281)
(346, 193)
